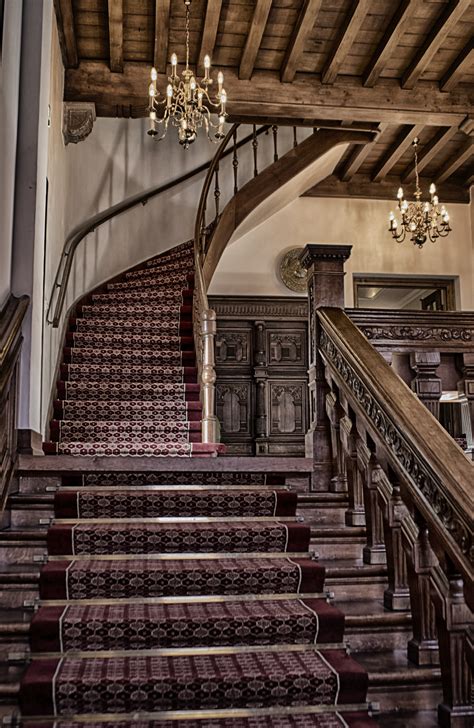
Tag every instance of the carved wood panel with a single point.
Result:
(262, 382)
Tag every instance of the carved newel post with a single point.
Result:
(325, 266)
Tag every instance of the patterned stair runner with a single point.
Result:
(128, 380)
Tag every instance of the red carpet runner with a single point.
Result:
(173, 592)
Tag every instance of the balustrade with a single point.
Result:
(403, 472)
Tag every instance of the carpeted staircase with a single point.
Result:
(180, 597)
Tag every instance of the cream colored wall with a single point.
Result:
(248, 266)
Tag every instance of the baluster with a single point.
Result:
(295, 137)
(335, 413)
(355, 515)
(374, 550)
(453, 617)
(255, 149)
(427, 385)
(275, 142)
(203, 241)
(217, 191)
(397, 596)
(423, 647)
(235, 163)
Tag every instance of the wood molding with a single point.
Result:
(352, 25)
(211, 23)
(303, 27)
(343, 101)
(162, 26)
(441, 29)
(115, 8)
(388, 43)
(254, 38)
(269, 307)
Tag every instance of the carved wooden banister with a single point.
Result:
(11, 319)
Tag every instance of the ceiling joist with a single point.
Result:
(66, 32)
(254, 38)
(209, 35)
(346, 38)
(441, 29)
(116, 35)
(362, 187)
(464, 152)
(162, 26)
(388, 43)
(304, 25)
(357, 158)
(463, 63)
(396, 151)
(430, 151)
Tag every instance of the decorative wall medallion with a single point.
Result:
(292, 273)
(78, 120)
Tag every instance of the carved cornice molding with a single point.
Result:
(253, 308)
(411, 463)
(418, 333)
(78, 120)
(312, 253)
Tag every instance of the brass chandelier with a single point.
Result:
(421, 221)
(187, 103)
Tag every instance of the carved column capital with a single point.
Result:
(78, 120)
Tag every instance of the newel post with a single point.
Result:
(208, 377)
(325, 266)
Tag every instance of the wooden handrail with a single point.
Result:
(79, 232)
(437, 476)
(11, 319)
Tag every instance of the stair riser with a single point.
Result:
(388, 638)
(16, 596)
(34, 484)
(21, 554)
(322, 516)
(330, 549)
(24, 517)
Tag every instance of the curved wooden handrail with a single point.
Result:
(79, 232)
(11, 319)
(437, 475)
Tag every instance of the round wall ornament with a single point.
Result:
(292, 273)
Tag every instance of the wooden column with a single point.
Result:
(427, 385)
(374, 551)
(325, 266)
(421, 559)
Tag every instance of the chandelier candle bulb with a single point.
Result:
(207, 66)
(174, 64)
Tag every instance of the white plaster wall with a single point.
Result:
(9, 92)
(249, 265)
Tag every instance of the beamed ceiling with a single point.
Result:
(407, 65)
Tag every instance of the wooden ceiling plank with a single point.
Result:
(345, 39)
(464, 152)
(357, 158)
(116, 35)
(388, 43)
(462, 65)
(209, 35)
(263, 96)
(396, 151)
(303, 27)
(162, 27)
(362, 187)
(430, 151)
(254, 38)
(433, 42)
(66, 31)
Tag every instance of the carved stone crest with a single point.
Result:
(292, 273)
(78, 120)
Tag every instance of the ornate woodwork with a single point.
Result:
(262, 383)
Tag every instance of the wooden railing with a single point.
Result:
(11, 319)
(406, 480)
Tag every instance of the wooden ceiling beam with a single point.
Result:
(303, 27)
(346, 37)
(362, 187)
(209, 35)
(162, 28)
(463, 63)
(430, 151)
(396, 151)
(116, 35)
(357, 158)
(388, 43)
(262, 96)
(254, 38)
(437, 35)
(66, 32)
(464, 152)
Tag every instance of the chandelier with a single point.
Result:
(421, 221)
(187, 103)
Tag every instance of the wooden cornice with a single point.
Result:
(304, 25)
(264, 95)
(162, 24)
(254, 38)
(116, 35)
(361, 186)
